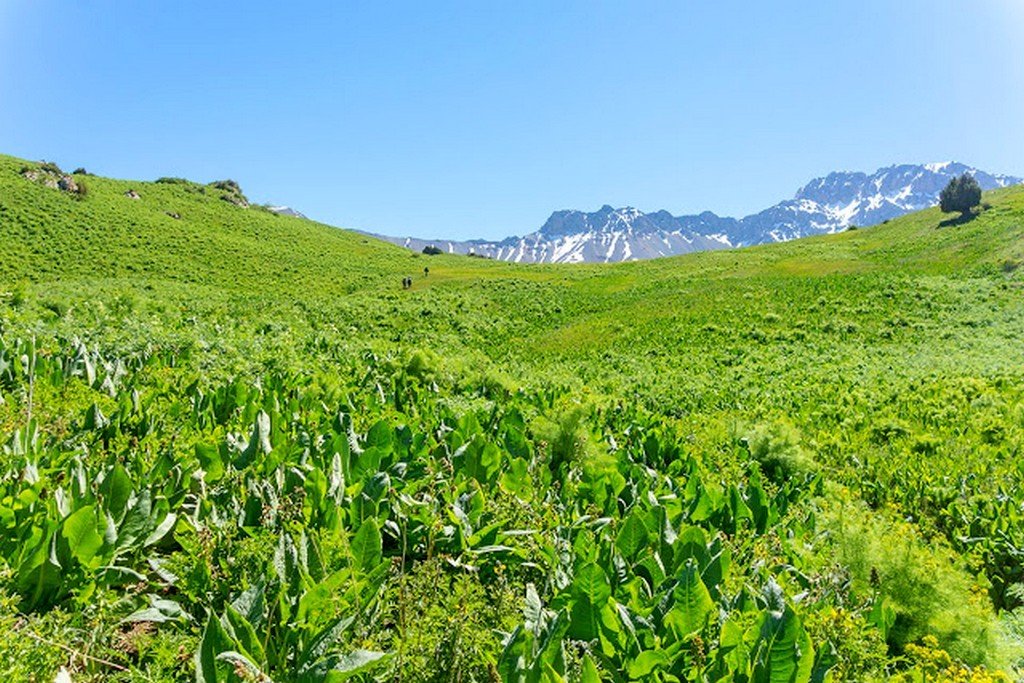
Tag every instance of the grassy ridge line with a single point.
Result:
(269, 270)
(52, 235)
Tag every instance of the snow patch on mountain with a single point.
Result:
(828, 204)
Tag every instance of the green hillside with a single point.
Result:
(237, 449)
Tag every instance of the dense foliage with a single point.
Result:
(235, 448)
(962, 194)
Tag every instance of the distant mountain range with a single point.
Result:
(824, 205)
(285, 211)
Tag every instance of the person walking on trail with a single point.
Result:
(426, 271)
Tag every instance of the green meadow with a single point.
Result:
(236, 449)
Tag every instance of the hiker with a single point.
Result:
(426, 271)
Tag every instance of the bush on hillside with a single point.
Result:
(930, 591)
(227, 185)
(776, 449)
(232, 192)
(962, 194)
(431, 250)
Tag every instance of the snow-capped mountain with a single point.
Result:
(824, 205)
(285, 211)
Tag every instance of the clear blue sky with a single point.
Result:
(480, 118)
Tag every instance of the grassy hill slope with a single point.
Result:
(831, 427)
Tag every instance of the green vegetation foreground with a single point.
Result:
(237, 448)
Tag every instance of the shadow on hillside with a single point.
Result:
(958, 220)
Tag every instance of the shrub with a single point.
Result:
(172, 181)
(445, 624)
(887, 430)
(58, 308)
(931, 592)
(776, 449)
(863, 654)
(566, 438)
(961, 194)
(423, 365)
(931, 663)
(19, 295)
(229, 186)
(431, 250)
(232, 192)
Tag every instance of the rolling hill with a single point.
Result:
(236, 447)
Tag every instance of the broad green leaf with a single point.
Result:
(336, 668)
(533, 611)
(214, 641)
(81, 534)
(550, 675)
(516, 479)
(692, 544)
(116, 490)
(243, 633)
(366, 546)
(632, 536)
(210, 460)
(591, 583)
(882, 615)
(709, 501)
(136, 521)
(40, 574)
(114, 575)
(381, 437)
(322, 641)
(717, 568)
(759, 503)
(739, 507)
(159, 611)
(692, 604)
(259, 442)
(251, 604)
(589, 673)
(591, 593)
(646, 662)
(824, 664)
(161, 530)
(783, 653)
(512, 660)
(318, 598)
(490, 461)
(366, 463)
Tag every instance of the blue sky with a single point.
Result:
(464, 119)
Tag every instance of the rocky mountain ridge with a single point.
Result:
(824, 205)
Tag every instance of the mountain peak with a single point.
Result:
(826, 204)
